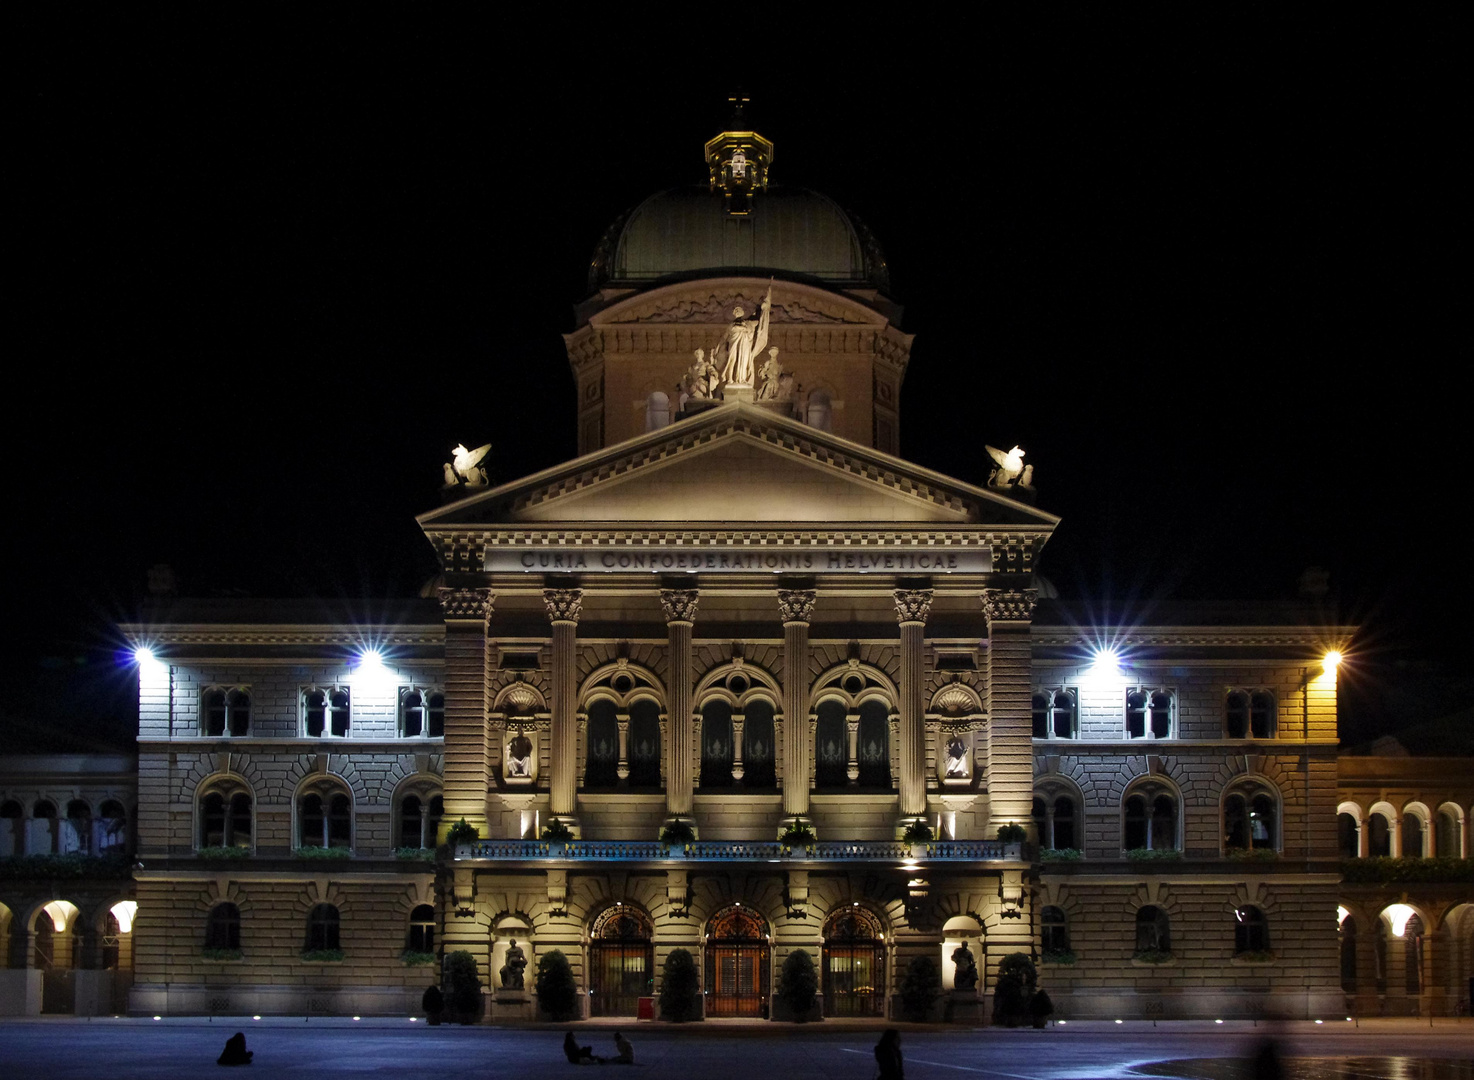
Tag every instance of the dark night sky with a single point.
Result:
(1202, 271)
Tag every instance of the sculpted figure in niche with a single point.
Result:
(956, 760)
(965, 977)
(513, 965)
(519, 757)
(745, 338)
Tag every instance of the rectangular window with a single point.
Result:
(1151, 714)
(325, 712)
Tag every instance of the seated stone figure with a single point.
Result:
(515, 965)
(966, 974)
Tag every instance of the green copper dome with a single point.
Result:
(687, 232)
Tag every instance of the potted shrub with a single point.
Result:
(798, 985)
(918, 835)
(557, 993)
(1014, 991)
(920, 987)
(680, 988)
(798, 837)
(557, 834)
(675, 836)
(464, 982)
(460, 837)
(1012, 837)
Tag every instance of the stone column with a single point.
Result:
(680, 611)
(564, 607)
(1010, 777)
(467, 752)
(796, 606)
(912, 608)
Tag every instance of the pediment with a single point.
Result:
(738, 464)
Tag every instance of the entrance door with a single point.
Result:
(621, 962)
(737, 956)
(854, 964)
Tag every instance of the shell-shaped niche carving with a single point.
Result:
(520, 701)
(955, 700)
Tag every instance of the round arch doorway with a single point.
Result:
(737, 963)
(854, 963)
(621, 961)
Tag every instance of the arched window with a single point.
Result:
(1379, 835)
(1412, 836)
(225, 711)
(1250, 931)
(421, 938)
(1412, 955)
(1056, 816)
(601, 741)
(644, 743)
(421, 713)
(419, 820)
(76, 829)
(657, 411)
(1056, 713)
(112, 934)
(1055, 932)
(1151, 819)
(1249, 820)
(322, 929)
(325, 712)
(41, 830)
(225, 816)
(1348, 954)
(1151, 714)
(324, 816)
(12, 828)
(758, 744)
(716, 744)
(111, 828)
(1250, 714)
(1348, 836)
(1153, 930)
(874, 747)
(1450, 832)
(223, 927)
(831, 745)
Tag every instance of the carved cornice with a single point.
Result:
(1009, 605)
(466, 603)
(679, 605)
(1289, 637)
(796, 605)
(233, 636)
(564, 605)
(913, 605)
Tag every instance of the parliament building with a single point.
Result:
(737, 679)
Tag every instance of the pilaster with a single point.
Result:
(912, 608)
(564, 607)
(1010, 775)
(467, 750)
(679, 606)
(796, 607)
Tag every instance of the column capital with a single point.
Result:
(466, 603)
(913, 605)
(564, 605)
(679, 605)
(1009, 605)
(796, 605)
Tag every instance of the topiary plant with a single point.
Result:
(920, 986)
(1040, 1008)
(797, 833)
(461, 833)
(557, 993)
(680, 988)
(1012, 834)
(677, 832)
(918, 832)
(798, 984)
(463, 983)
(557, 831)
(1017, 980)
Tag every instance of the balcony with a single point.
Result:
(729, 851)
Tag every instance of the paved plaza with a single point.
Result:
(122, 1049)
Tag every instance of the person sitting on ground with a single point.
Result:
(235, 1052)
(626, 1055)
(888, 1056)
(577, 1055)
